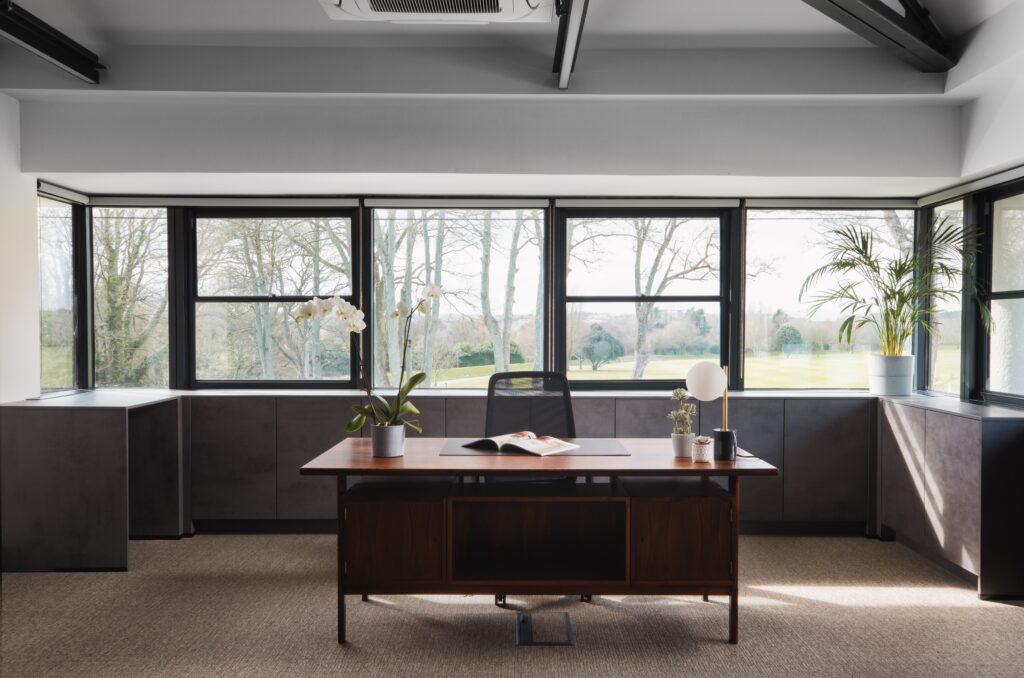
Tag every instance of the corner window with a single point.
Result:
(252, 269)
(785, 347)
(944, 342)
(643, 294)
(129, 248)
(56, 295)
(1006, 343)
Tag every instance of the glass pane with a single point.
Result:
(491, 314)
(130, 296)
(785, 347)
(1006, 358)
(602, 339)
(262, 257)
(57, 292)
(1008, 245)
(643, 256)
(261, 341)
(945, 340)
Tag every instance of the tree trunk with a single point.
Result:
(642, 354)
(485, 297)
(510, 292)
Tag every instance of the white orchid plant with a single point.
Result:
(378, 411)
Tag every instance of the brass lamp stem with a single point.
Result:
(725, 401)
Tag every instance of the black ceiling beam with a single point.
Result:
(914, 38)
(571, 15)
(42, 39)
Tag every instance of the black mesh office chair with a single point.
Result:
(529, 401)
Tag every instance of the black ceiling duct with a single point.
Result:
(37, 36)
(912, 37)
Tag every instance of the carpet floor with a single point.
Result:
(264, 605)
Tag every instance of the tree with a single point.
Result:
(601, 347)
(665, 252)
(787, 335)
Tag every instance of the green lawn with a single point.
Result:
(824, 370)
(56, 363)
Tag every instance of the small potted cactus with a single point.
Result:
(682, 424)
(703, 449)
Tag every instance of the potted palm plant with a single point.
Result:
(682, 424)
(891, 294)
(387, 419)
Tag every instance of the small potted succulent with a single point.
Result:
(703, 449)
(387, 420)
(682, 424)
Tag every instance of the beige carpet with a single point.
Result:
(264, 606)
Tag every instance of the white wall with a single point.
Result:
(163, 133)
(19, 265)
(994, 129)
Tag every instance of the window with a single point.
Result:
(1006, 343)
(490, 318)
(130, 296)
(643, 294)
(944, 343)
(251, 271)
(57, 295)
(784, 346)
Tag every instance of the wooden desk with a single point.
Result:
(674, 534)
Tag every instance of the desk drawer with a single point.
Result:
(390, 542)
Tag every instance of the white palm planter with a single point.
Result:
(682, 444)
(891, 375)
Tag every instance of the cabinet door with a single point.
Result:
(681, 540)
(306, 428)
(234, 457)
(827, 448)
(394, 544)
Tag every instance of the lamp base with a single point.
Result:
(725, 444)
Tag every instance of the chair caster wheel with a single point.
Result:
(499, 599)
(586, 598)
(366, 597)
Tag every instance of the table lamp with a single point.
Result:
(706, 381)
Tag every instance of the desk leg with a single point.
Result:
(342, 485)
(734, 593)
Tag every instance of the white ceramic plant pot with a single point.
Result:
(891, 375)
(703, 453)
(388, 441)
(682, 444)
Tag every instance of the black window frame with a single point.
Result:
(82, 297)
(977, 333)
(184, 246)
(729, 325)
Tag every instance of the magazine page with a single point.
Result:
(496, 442)
(542, 445)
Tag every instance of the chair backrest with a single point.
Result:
(529, 401)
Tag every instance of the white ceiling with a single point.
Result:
(610, 23)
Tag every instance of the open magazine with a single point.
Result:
(523, 441)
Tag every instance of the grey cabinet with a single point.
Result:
(155, 469)
(465, 417)
(930, 465)
(643, 417)
(64, 488)
(594, 417)
(828, 443)
(234, 457)
(306, 428)
(758, 424)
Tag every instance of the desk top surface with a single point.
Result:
(648, 457)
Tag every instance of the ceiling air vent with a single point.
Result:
(441, 11)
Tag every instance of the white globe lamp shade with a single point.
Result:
(706, 381)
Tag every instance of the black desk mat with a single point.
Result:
(596, 447)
